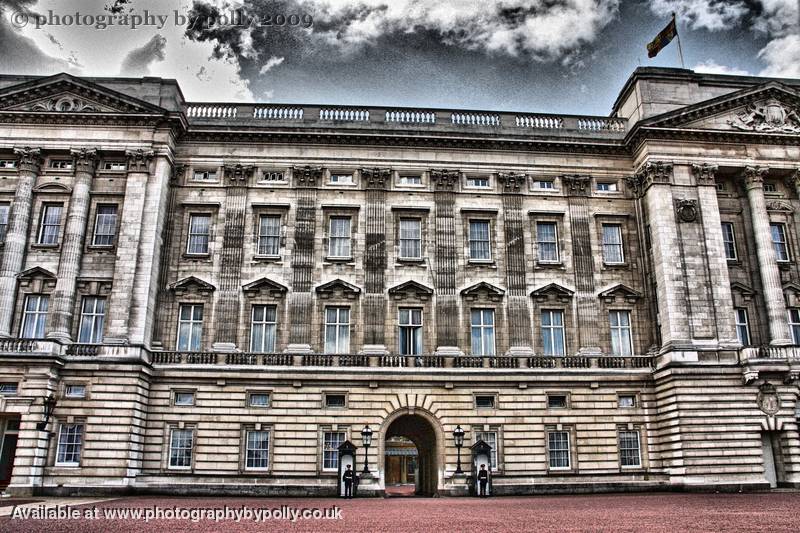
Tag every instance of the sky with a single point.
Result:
(547, 56)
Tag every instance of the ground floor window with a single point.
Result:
(490, 438)
(331, 440)
(70, 441)
(629, 453)
(181, 444)
(558, 450)
(257, 450)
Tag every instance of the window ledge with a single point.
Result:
(616, 266)
(101, 247)
(550, 264)
(339, 260)
(784, 265)
(267, 258)
(482, 263)
(197, 257)
(38, 246)
(410, 260)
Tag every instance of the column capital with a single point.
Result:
(30, 159)
(177, 173)
(705, 173)
(238, 174)
(139, 160)
(576, 185)
(445, 180)
(754, 175)
(307, 176)
(512, 181)
(654, 172)
(376, 178)
(85, 159)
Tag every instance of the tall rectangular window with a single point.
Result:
(105, 225)
(181, 446)
(490, 438)
(629, 451)
(339, 241)
(337, 330)
(93, 313)
(612, 244)
(190, 327)
(547, 242)
(50, 225)
(410, 238)
(742, 326)
(257, 450)
(269, 235)
(4, 212)
(482, 331)
(552, 332)
(264, 328)
(794, 324)
(479, 241)
(331, 440)
(70, 441)
(410, 331)
(558, 450)
(34, 316)
(729, 240)
(621, 332)
(778, 232)
(199, 234)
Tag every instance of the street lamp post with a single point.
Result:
(458, 437)
(366, 439)
(49, 405)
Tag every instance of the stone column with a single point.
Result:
(62, 304)
(767, 265)
(375, 181)
(130, 230)
(13, 253)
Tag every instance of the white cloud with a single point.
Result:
(713, 15)
(271, 63)
(710, 66)
(782, 57)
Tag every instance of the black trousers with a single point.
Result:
(348, 489)
(482, 483)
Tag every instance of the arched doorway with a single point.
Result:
(420, 432)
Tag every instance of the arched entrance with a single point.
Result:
(417, 430)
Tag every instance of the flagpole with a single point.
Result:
(678, 36)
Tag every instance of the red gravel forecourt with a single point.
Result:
(652, 512)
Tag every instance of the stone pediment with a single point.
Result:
(37, 279)
(64, 94)
(552, 290)
(483, 291)
(771, 108)
(347, 290)
(620, 291)
(742, 289)
(36, 272)
(192, 283)
(411, 288)
(264, 286)
(791, 286)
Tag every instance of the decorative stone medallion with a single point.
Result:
(686, 209)
(768, 400)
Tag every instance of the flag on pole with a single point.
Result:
(663, 38)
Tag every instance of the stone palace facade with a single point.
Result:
(212, 297)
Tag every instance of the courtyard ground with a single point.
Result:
(651, 512)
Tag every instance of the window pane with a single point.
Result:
(612, 243)
(479, 243)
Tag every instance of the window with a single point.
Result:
(480, 182)
(410, 179)
(552, 332)
(410, 331)
(34, 316)
(339, 243)
(490, 438)
(50, 224)
(484, 401)
(621, 332)
(626, 400)
(770, 187)
(4, 211)
(257, 450)
(105, 225)
(8, 389)
(794, 324)
(558, 450)
(410, 238)
(337, 330)
(190, 327)
(729, 240)
(547, 242)
(93, 312)
(75, 391)
(264, 328)
(612, 244)
(8, 163)
(543, 184)
(720, 186)
(629, 454)
(742, 326)
(342, 179)
(204, 175)
(331, 440)
(258, 399)
(607, 186)
(70, 438)
(181, 443)
(60, 164)
(482, 331)
(269, 235)
(114, 166)
(183, 398)
(273, 176)
(479, 242)
(199, 234)
(779, 241)
(557, 401)
(335, 400)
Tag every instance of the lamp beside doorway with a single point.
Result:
(49, 405)
(366, 440)
(458, 437)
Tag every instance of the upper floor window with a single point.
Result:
(626, 400)
(794, 324)
(558, 450)
(612, 244)
(544, 184)
(547, 242)
(183, 398)
(34, 316)
(742, 326)
(116, 166)
(337, 330)
(606, 186)
(199, 234)
(60, 164)
(770, 187)
(342, 179)
(70, 441)
(490, 438)
(480, 182)
(181, 446)
(629, 451)
(621, 343)
(4, 211)
(258, 399)
(9, 388)
(264, 328)
(105, 225)
(480, 248)
(410, 179)
(410, 331)
(778, 232)
(204, 175)
(339, 240)
(257, 450)
(553, 332)
(93, 312)
(8, 163)
(75, 391)
(273, 176)
(410, 238)
(482, 331)
(331, 440)
(269, 235)
(729, 240)
(190, 327)
(50, 225)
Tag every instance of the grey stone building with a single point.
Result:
(211, 297)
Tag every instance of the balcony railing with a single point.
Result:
(770, 352)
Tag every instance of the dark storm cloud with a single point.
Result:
(138, 60)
